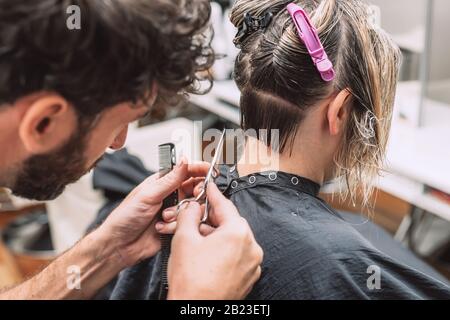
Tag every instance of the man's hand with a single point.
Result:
(125, 238)
(219, 262)
(130, 228)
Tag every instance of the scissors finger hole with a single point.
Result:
(215, 173)
(182, 205)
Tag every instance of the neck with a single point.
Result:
(302, 161)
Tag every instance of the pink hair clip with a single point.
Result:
(308, 34)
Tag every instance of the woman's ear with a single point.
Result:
(47, 123)
(338, 112)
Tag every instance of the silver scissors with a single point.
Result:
(201, 197)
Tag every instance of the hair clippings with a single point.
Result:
(252, 24)
(308, 35)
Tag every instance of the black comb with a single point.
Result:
(167, 159)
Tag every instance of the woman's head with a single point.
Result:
(280, 84)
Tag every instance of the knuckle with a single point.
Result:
(240, 229)
(258, 272)
(143, 206)
(152, 199)
(259, 254)
(244, 227)
(244, 223)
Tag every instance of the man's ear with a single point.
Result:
(154, 94)
(47, 123)
(338, 112)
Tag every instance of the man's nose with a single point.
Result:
(119, 141)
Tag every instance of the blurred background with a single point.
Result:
(412, 202)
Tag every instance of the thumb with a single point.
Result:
(164, 186)
(223, 209)
(189, 219)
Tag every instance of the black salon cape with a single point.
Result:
(310, 251)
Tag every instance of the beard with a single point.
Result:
(44, 177)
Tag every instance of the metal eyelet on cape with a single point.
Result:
(252, 179)
(272, 176)
(294, 181)
(234, 184)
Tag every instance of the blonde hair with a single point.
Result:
(275, 72)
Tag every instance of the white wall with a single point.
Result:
(440, 58)
(402, 16)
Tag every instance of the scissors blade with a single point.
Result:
(215, 158)
(210, 171)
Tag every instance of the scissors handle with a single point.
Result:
(198, 199)
(206, 212)
(210, 175)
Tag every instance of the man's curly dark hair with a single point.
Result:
(122, 48)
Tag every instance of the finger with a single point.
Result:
(188, 187)
(199, 169)
(198, 188)
(166, 228)
(189, 219)
(223, 210)
(152, 178)
(206, 229)
(162, 187)
(169, 214)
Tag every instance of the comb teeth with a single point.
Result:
(166, 241)
(166, 158)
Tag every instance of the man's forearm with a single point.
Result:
(92, 261)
